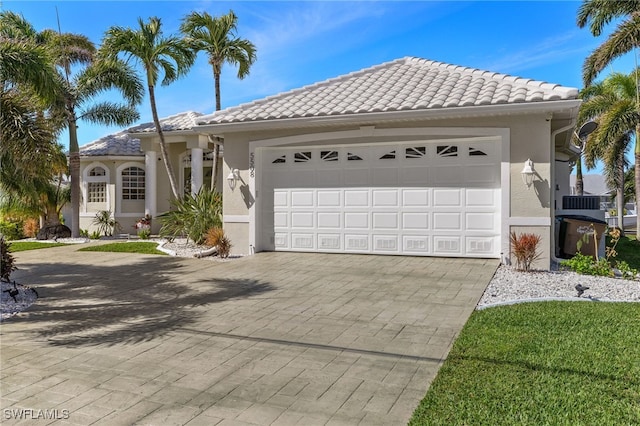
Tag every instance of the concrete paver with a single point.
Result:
(275, 338)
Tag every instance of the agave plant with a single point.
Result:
(192, 216)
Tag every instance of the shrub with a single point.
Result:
(525, 249)
(30, 227)
(106, 223)
(84, 233)
(216, 238)
(586, 265)
(11, 229)
(626, 271)
(144, 234)
(192, 216)
(95, 235)
(7, 261)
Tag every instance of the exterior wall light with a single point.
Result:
(528, 173)
(233, 177)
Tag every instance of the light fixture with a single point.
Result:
(233, 177)
(528, 173)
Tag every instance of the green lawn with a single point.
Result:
(628, 249)
(127, 247)
(31, 245)
(551, 363)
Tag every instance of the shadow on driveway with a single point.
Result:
(139, 300)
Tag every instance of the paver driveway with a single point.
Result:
(276, 338)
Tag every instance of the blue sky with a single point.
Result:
(303, 42)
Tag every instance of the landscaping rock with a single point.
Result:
(53, 232)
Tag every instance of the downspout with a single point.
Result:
(553, 179)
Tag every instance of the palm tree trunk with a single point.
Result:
(216, 79)
(579, 181)
(163, 146)
(620, 191)
(74, 169)
(637, 178)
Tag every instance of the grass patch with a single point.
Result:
(126, 247)
(32, 245)
(549, 363)
(628, 249)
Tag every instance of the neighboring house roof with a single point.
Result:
(182, 121)
(121, 143)
(404, 84)
(125, 144)
(593, 184)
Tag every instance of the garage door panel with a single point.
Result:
(447, 197)
(476, 197)
(302, 219)
(356, 198)
(385, 243)
(302, 241)
(447, 245)
(356, 220)
(479, 221)
(329, 242)
(416, 244)
(415, 199)
(385, 198)
(415, 221)
(357, 243)
(329, 198)
(329, 220)
(301, 198)
(385, 220)
(449, 221)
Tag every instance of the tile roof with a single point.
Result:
(182, 121)
(123, 143)
(404, 84)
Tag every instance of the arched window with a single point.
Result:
(97, 190)
(133, 183)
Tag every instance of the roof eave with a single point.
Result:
(391, 116)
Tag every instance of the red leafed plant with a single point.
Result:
(525, 249)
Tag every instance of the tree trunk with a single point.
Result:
(579, 181)
(163, 146)
(214, 167)
(216, 78)
(620, 192)
(74, 169)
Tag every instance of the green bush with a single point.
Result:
(627, 271)
(192, 216)
(11, 229)
(95, 235)
(84, 233)
(106, 223)
(144, 234)
(7, 261)
(586, 265)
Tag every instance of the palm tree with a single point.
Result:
(217, 37)
(28, 85)
(612, 104)
(624, 39)
(170, 55)
(72, 93)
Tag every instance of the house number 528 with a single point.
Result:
(252, 165)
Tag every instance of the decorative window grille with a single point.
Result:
(475, 151)
(302, 157)
(96, 192)
(329, 155)
(133, 183)
(280, 160)
(389, 156)
(353, 157)
(415, 152)
(447, 150)
(97, 171)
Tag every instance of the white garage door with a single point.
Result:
(425, 199)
